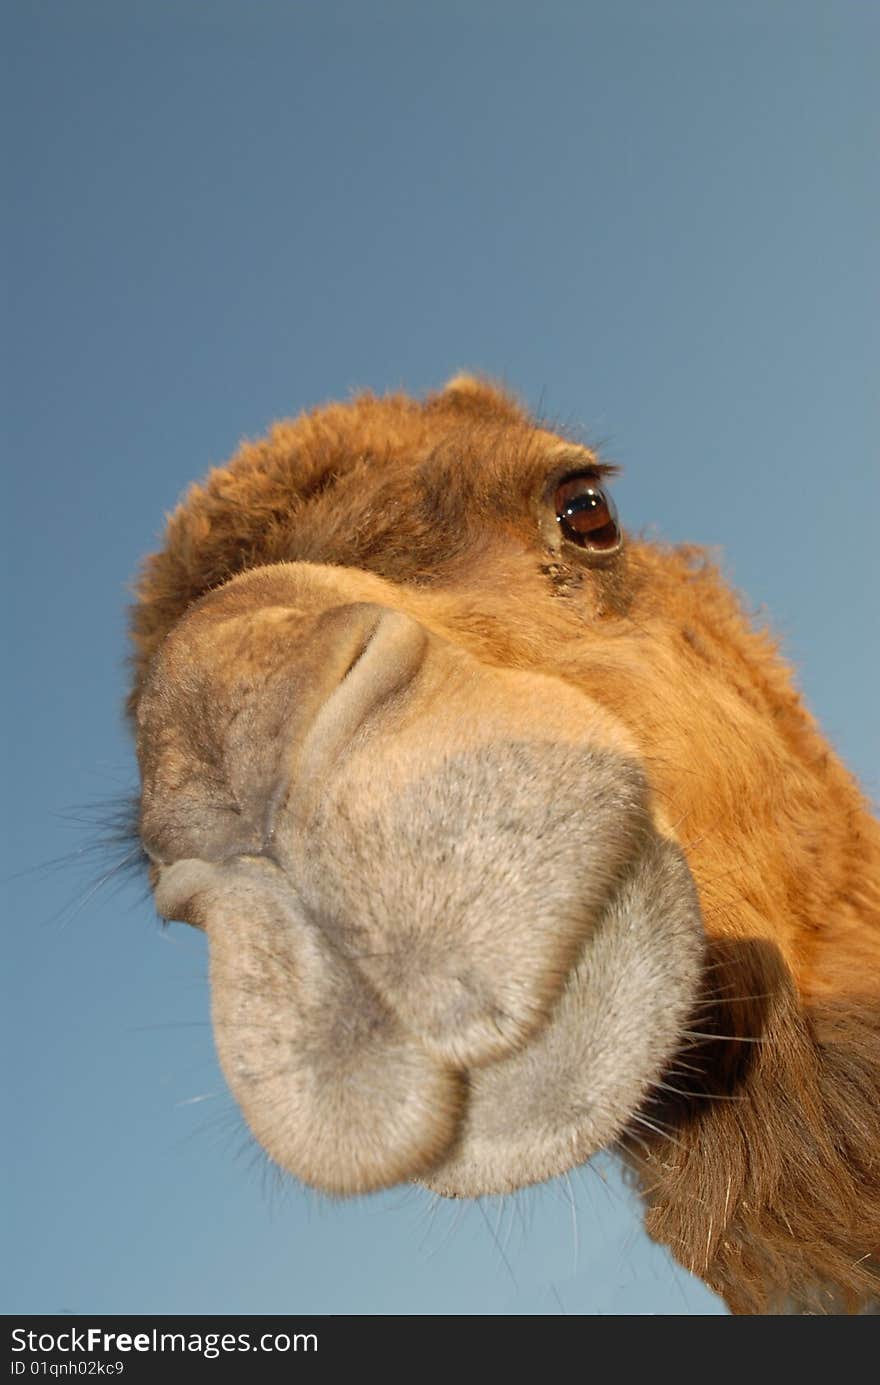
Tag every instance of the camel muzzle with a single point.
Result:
(434, 908)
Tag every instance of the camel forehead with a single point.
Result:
(418, 493)
(431, 460)
(398, 493)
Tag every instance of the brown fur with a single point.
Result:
(768, 1185)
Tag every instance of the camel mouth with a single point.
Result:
(449, 940)
(475, 1000)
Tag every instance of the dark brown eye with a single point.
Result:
(586, 514)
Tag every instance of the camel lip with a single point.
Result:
(485, 1122)
(570, 1095)
(181, 882)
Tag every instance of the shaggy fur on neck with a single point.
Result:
(765, 1180)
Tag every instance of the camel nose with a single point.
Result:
(268, 740)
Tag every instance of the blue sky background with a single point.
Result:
(659, 220)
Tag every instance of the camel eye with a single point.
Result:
(586, 515)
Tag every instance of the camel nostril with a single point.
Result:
(389, 651)
(361, 650)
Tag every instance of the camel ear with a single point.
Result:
(479, 396)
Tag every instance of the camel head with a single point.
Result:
(510, 837)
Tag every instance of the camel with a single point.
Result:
(513, 841)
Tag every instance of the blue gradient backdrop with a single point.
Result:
(657, 220)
